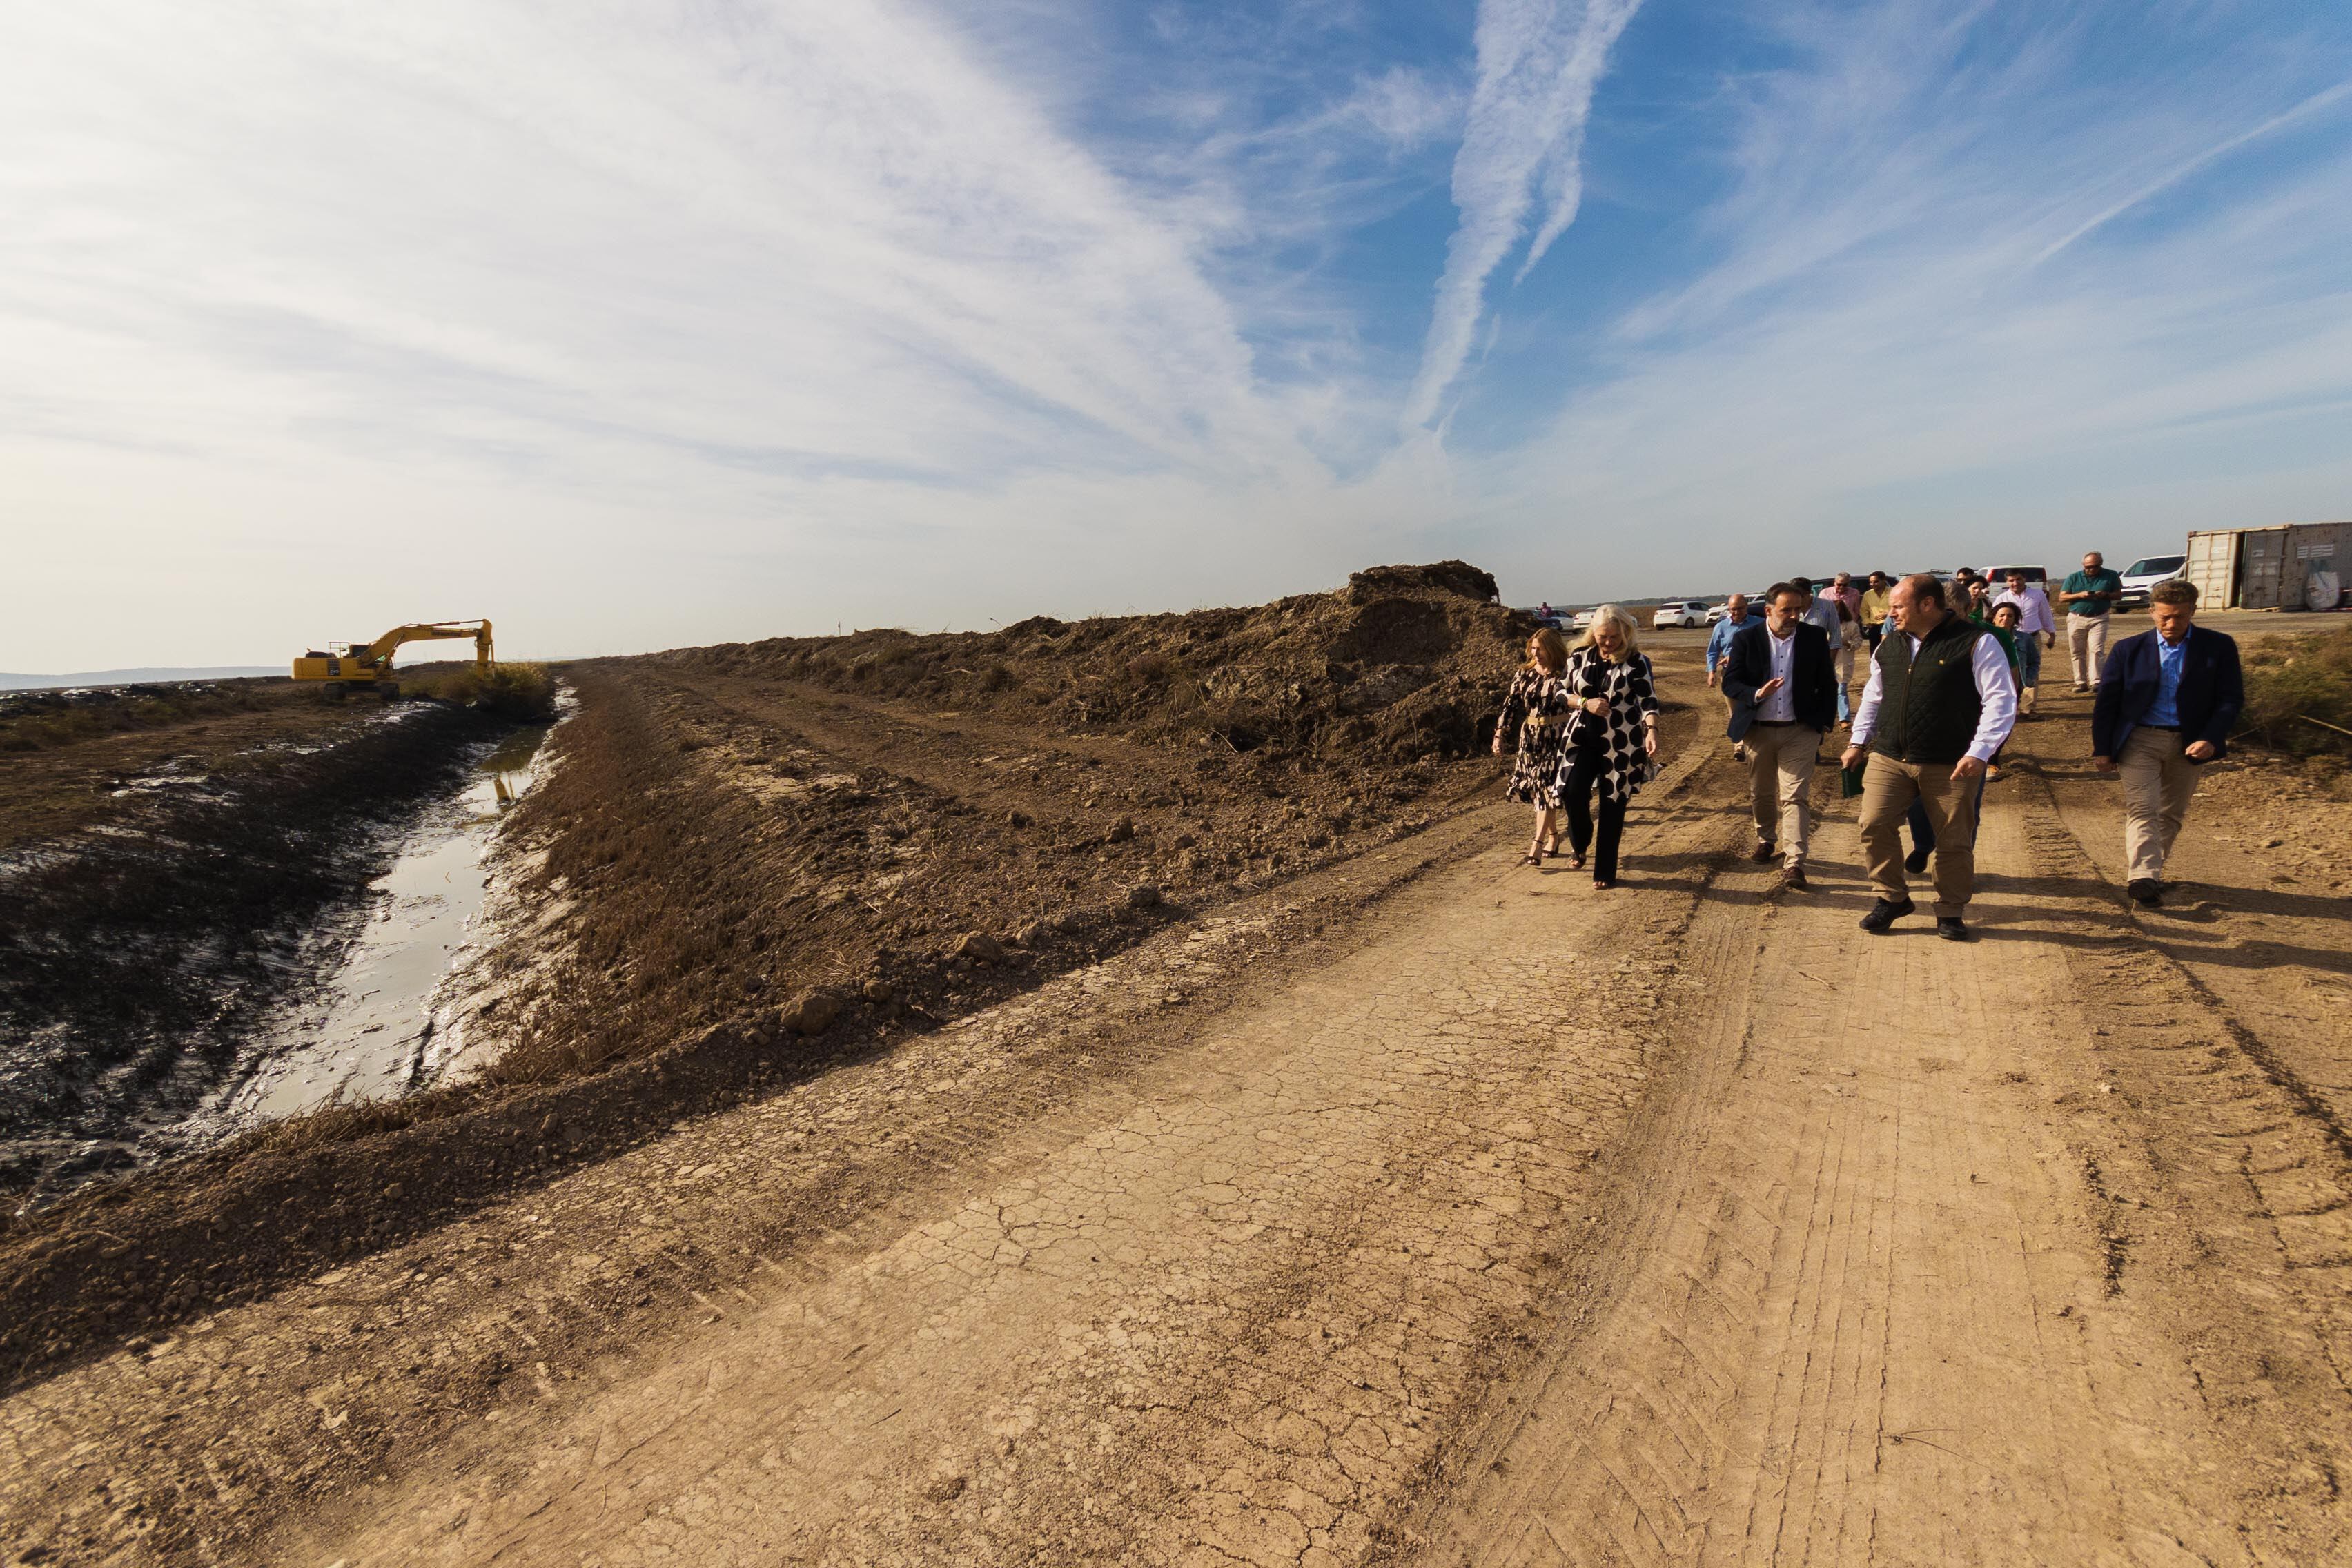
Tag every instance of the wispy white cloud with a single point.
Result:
(1538, 63)
(719, 267)
(637, 325)
(1922, 336)
(2318, 101)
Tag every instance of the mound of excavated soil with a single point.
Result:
(753, 859)
(731, 826)
(1398, 666)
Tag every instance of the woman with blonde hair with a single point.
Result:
(1536, 709)
(1613, 738)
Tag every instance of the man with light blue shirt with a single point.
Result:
(2167, 702)
(1719, 643)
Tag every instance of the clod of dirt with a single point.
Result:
(1123, 830)
(878, 992)
(811, 1013)
(980, 948)
(1146, 896)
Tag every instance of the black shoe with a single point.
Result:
(1884, 914)
(2146, 892)
(1763, 852)
(1917, 861)
(1952, 928)
(1793, 876)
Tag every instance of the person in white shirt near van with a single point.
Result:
(2036, 629)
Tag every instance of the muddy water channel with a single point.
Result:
(367, 1031)
(216, 959)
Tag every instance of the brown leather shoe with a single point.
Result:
(1793, 876)
(1762, 854)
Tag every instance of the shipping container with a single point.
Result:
(2313, 549)
(2266, 568)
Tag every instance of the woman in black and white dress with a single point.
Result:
(1536, 711)
(1612, 740)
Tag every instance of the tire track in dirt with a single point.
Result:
(321, 1385)
(1870, 1312)
(1227, 1324)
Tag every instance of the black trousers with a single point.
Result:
(1586, 766)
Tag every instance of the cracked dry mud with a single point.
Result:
(1428, 1209)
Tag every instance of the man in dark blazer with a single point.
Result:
(1782, 679)
(2167, 700)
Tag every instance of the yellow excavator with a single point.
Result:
(344, 666)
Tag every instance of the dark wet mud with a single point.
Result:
(154, 964)
(373, 1028)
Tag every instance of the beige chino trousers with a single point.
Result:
(2086, 643)
(1888, 788)
(2157, 782)
(1780, 758)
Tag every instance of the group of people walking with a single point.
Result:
(1587, 723)
(1952, 667)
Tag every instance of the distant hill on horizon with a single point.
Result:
(133, 676)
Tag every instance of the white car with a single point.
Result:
(1682, 613)
(1582, 622)
(2146, 573)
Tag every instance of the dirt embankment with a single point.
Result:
(755, 861)
(734, 822)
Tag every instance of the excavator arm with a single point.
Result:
(436, 631)
(358, 663)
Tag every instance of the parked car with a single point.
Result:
(1583, 620)
(2146, 573)
(1681, 613)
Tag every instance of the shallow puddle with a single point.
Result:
(366, 1033)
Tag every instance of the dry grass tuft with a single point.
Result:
(2292, 681)
(522, 692)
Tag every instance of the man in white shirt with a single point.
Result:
(1825, 611)
(2036, 630)
(1781, 683)
(1937, 707)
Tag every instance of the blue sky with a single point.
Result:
(643, 325)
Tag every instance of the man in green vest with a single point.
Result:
(1938, 705)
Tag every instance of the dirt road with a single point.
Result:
(1425, 1209)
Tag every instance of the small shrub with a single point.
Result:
(522, 692)
(2291, 681)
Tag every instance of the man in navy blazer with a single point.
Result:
(1782, 683)
(2167, 700)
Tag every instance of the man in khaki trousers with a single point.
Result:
(2089, 597)
(1782, 686)
(2167, 702)
(1938, 705)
